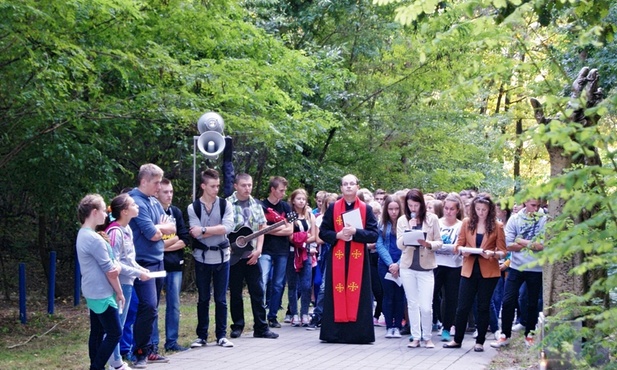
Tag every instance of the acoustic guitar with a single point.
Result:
(240, 239)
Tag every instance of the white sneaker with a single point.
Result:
(306, 320)
(501, 342)
(224, 342)
(497, 334)
(396, 333)
(518, 327)
(390, 333)
(124, 366)
(287, 319)
(199, 342)
(295, 321)
(475, 334)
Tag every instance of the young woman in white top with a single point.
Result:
(417, 264)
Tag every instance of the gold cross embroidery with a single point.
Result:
(339, 220)
(356, 254)
(339, 287)
(339, 254)
(353, 286)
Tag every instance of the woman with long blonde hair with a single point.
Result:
(299, 264)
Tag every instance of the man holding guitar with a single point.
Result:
(246, 246)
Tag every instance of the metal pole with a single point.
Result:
(77, 282)
(22, 293)
(195, 138)
(51, 287)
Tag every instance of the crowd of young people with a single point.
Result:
(448, 276)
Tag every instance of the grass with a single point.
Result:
(516, 355)
(65, 346)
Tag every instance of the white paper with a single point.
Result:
(391, 277)
(157, 274)
(470, 250)
(353, 218)
(411, 237)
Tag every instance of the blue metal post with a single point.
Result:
(77, 282)
(22, 293)
(51, 288)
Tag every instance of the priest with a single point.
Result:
(348, 225)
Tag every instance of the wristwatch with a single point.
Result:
(203, 230)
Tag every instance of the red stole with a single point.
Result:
(346, 285)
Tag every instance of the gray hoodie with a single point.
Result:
(530, 227)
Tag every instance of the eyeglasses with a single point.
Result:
(349, 184)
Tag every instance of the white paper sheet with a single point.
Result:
(391, 277)
(411, 237)
(157, 274)
(470, 250)
(353, 218)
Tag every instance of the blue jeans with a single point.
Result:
(148, 293)
(218, 276)
(299, 282)
(127, 290)
(105, 332)
(126, 342)
(173, 285)
(514, 280)
(278, 265)
(393, 299)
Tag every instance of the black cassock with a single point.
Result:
(361, 331)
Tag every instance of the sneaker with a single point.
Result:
(266, 334)
(287, 319)
(224, 342)
(396, 333)
(475, 334)
(390, 333)
(305, 321)
(155, 358)
(429, 344)
(176, 348)
(236, 333)
(497, 334)
(501, 342)
(124, 366)
(199, 342)
(445, 335)
(140, 363)
(436, 326)
(295, 320)
(518, 327)
(314, 324)
(273, 323)
(382, 321)
(529, 340)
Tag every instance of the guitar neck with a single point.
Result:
(263, 231)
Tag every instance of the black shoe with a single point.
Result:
(175, 348)
(236, 333)
(266, 334)
(405, 330)
(314, 324)
(273, 323)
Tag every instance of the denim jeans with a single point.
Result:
(514, 280)
(238, 274)
(173, 285)
(216, 275)
(148, 293)
(299, 283)
(278, 265)
(470, 287)
(126, 342)
(393, 299)
(127, 290)
(105, 332)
